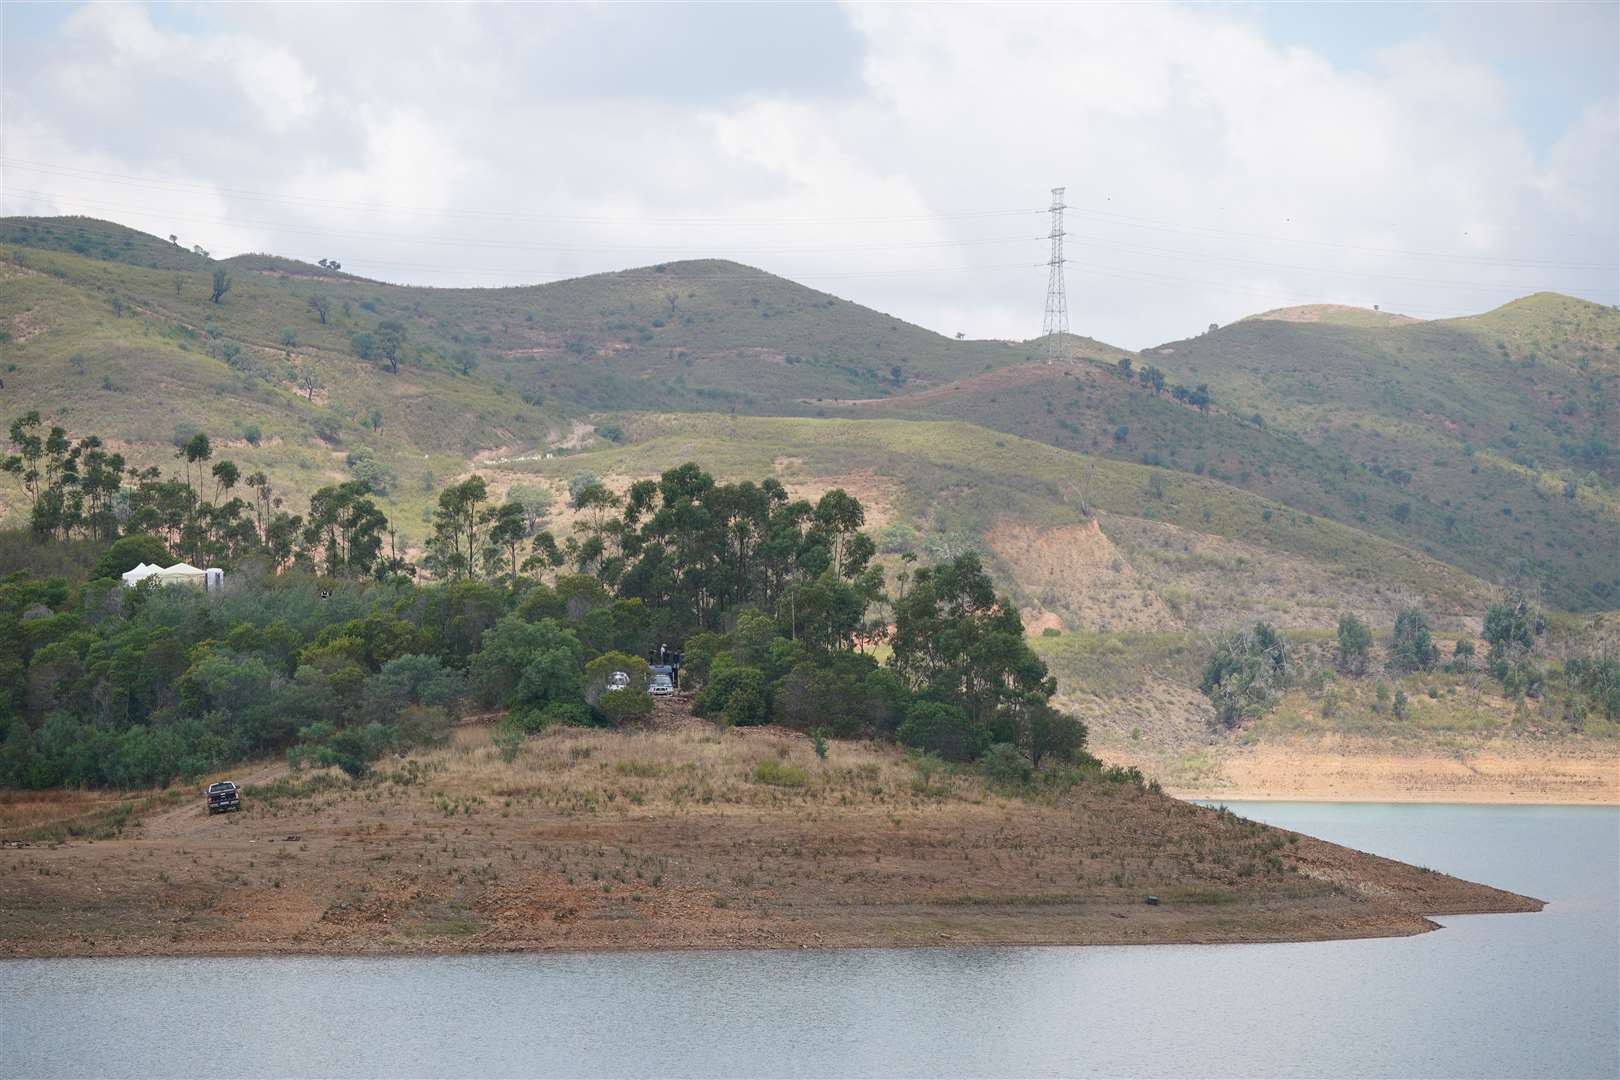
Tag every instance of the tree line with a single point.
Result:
(330, 647)
(1248, 669)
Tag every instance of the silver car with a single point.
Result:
(661, 686)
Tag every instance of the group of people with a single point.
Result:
(668, 662)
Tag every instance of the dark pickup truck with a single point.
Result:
(224, 796)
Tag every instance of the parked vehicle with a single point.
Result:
(224, 796)
(662, 685)
(619, 680)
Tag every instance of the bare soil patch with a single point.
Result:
(1076, 572)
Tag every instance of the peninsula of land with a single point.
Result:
(679, 837)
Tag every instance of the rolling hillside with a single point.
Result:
(1499, 426)
(1347, 460)
(1482, 442)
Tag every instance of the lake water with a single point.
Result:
(1489, 996)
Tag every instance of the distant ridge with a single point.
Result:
(1334, 315)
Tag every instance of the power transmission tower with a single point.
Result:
(1056, 323)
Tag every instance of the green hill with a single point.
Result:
(1499, 426)
(98, 239)
(1481, 442)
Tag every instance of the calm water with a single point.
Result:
(1491, 995)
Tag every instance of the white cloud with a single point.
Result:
(1212, 171)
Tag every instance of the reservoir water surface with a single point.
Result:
(1489, 996)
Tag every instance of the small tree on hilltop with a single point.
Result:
(1050, 733)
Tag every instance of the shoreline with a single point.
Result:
(1346, 770)
(1386, 923)
(1383, 799)
(236, 953)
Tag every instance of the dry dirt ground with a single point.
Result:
(1345, 769)
(682, 836)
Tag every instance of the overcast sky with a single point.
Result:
(1219, 160)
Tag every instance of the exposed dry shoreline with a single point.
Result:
(1346, 770)
(668, 840)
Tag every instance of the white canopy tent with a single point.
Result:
(179, 574)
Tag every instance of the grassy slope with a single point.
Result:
(1492, 416)
(961, 480)
(1090, 409)
(676, 335)
(134, 377)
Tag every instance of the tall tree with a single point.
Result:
(453, 548)
(345, 529)
(955, 638)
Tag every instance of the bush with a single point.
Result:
(128, 552)
(618, 706)
(748, 702)
(698, 656)
(773, 772)
(1246, 673)
(508, 739)
(1412, 648)
(943, 730)
(745, 684)
(1050, 733)
(563, 713)
(422, 725)
(600, 670)
(1355, 643)
(1005, 764)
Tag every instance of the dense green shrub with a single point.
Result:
(944, 730)
(1355, 644)
(1005, 764)
(128, 552)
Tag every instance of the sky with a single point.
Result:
(1218, 159)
